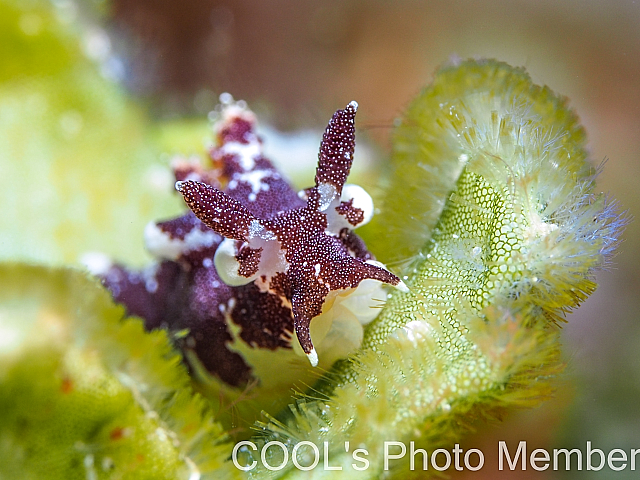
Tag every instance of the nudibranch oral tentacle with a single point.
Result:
(317, 261)
(256, 270)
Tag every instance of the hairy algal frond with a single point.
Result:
(494, 204)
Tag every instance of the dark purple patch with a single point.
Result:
(178, 228)
(131, 289)
(184, 299)
(355, 245)
(237, 130)
(354, 215)
(337, 148)
(265, 322)
(249, 259)
(206, 300)
(278, 197)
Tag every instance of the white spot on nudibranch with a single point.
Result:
(149, 277)
(327, 194)
(246, 152)
(97, 263)
(228, 110)
(225, 98)
(161, 245)
(272, 258)
(255, 179)
(256, 230)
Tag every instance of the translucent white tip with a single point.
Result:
(313, 357)
(97, 263)
(402, 287)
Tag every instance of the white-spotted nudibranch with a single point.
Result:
(256, 262)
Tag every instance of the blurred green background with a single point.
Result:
(295, 62)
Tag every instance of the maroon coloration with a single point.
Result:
(354, 215)
(178, 228)
(265, 322)
(130, 288)
(240, 130)
(280, 285)
(275, 192)
(205, 300)
(337, 148)
(188, 294)
(355, 245)
(249, 259)
(318, 262)
(184, 298)
(216, 209)
(274, 196)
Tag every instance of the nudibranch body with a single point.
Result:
(255, 262)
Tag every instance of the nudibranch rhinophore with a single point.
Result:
(253, 261)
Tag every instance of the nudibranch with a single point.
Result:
(254, 261)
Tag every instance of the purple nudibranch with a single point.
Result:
(255, 253)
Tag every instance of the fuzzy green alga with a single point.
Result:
(493, 210)
(88, 394)
(77, 154)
